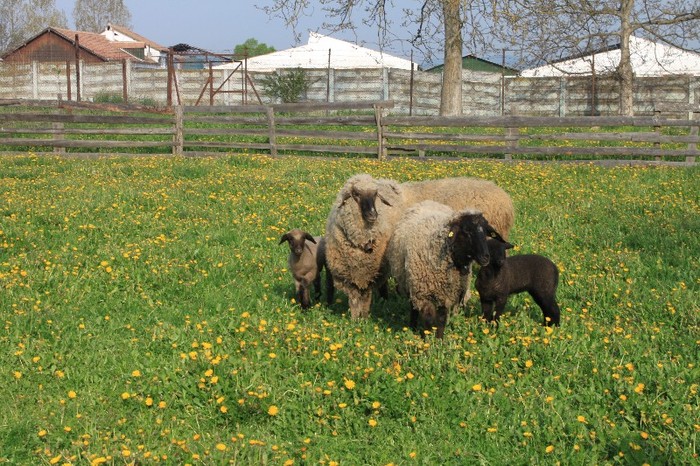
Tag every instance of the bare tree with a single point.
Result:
(22, 19)
(552, 30)
(433, 24)
(94, 15)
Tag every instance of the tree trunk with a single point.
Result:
(624, 69)
(451, 95)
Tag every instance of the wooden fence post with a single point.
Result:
(657, 131)
(179, 137)
(272, 135)
(694, 131)
(512, 141)
(58, 135)
(381, 148)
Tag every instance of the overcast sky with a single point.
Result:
(219, 25)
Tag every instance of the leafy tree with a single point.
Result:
(94, 15)
(251, 48)
(555, 29)
(22, 19)
(288, 86)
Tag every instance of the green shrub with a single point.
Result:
(287, 86)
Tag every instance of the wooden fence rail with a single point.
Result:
(366, 128)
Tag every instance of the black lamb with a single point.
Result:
(503, 277)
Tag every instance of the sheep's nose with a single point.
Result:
(484, 260)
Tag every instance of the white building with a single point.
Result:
(648, 59)
(321, 52)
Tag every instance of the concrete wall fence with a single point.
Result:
(416, 93)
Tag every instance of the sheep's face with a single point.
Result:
(366, 200)
(296, 239)
(467, 236)
(497, 250)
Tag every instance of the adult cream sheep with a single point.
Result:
(306, 261)
(358, 229)
(462, 193)
(429, 255)
(503, 277)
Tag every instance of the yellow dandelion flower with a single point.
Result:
(221, 447)
(639, 388)
(376, 405)
(372, 423)
(72, 394)
(273, 410)
(125, 396)
(549, 449)
(528, 363)
(149, 401)
(42, 433)
(136, 373)
(477, 387)
(349, 384)
(55, 459)
(581, 419)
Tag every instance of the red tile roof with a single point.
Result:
(138, 37)
(98, 45)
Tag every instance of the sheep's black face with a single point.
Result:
(497, 250)
(366, 200)
(468, 235)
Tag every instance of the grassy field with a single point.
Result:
(148, 318)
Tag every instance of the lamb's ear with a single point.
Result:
(285, 237)
(309, 238)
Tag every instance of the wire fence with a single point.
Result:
(414, 92)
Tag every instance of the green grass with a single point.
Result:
(148, 317)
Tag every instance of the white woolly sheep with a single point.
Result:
(503, 277)
(357, 240)
(306, 261)
(357, 233)
(430, 254)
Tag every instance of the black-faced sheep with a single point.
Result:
(430, 255)
(358, 229)
(357, 232)
(503, 277)
(306, 261)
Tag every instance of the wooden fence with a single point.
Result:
(347, 129)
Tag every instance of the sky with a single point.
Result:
(220, 25)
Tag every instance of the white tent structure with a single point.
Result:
(321, 51)
(648, 59)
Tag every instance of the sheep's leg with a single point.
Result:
(549, 306)
(317, 286)
(360, 302)
(500, 305)
(468, 291)
(434, 317)
(487, 310)
(414, 318)
(384, 290)
(330, 288)
(304, 298)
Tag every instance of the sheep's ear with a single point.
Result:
(492, 233)
(309, 238)
(346, 196)
(285, 237)
(507, 245)
(384, 200)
